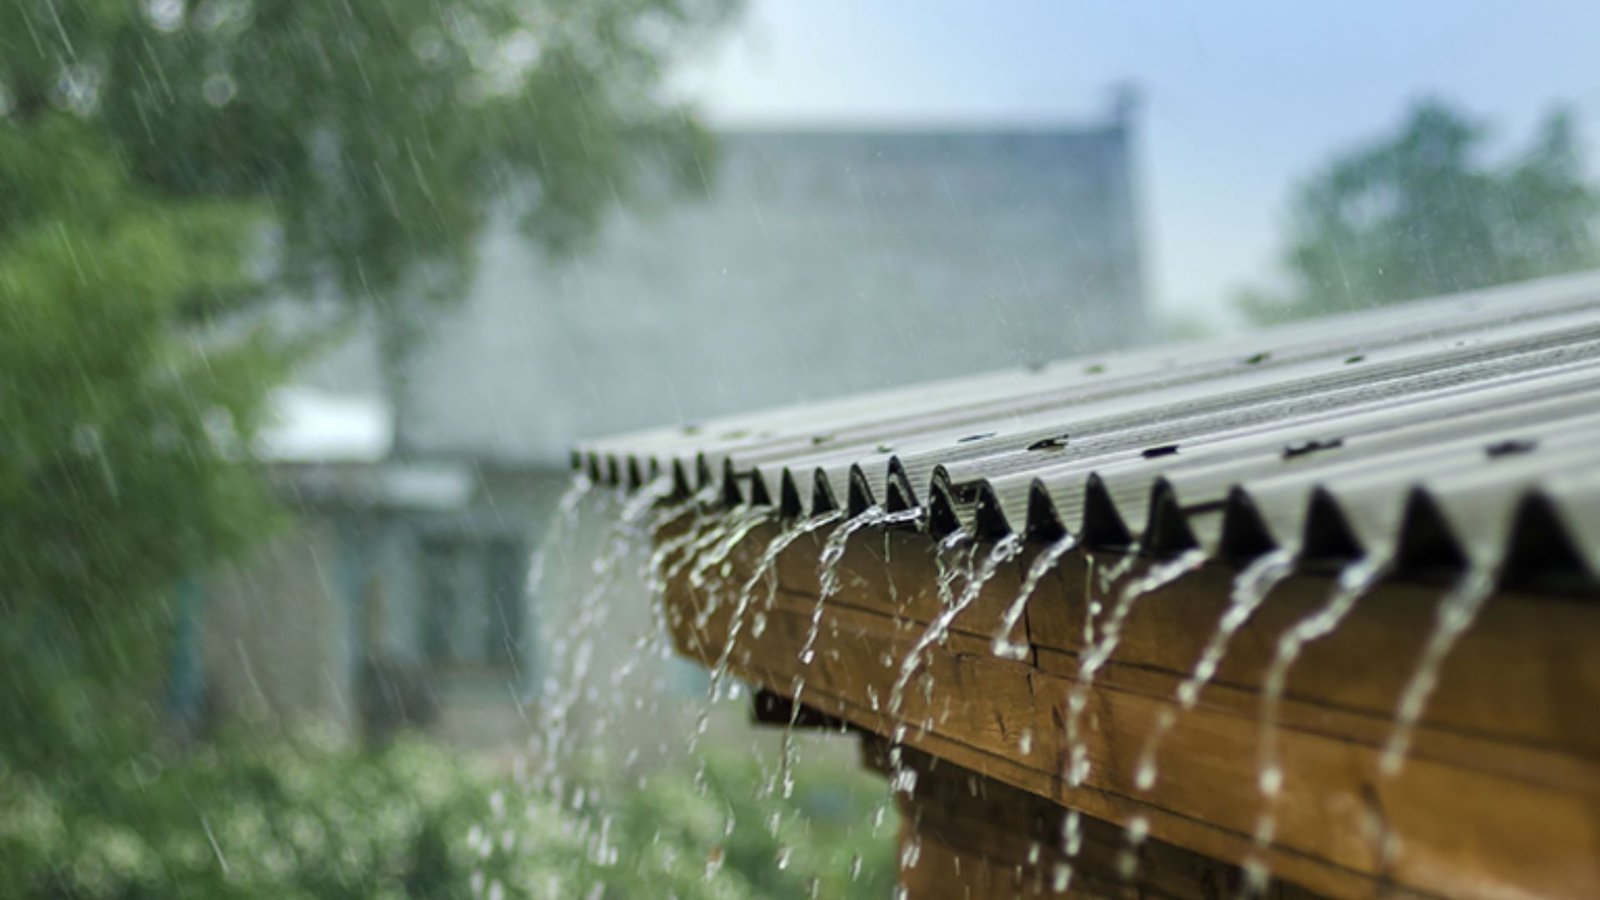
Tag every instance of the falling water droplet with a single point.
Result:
(1006, 549)
(1355, 581)
(1157, 577)
(1250, 589)
(1134, 836)
(1457, 611)
(1003, 646)
(1072, 833)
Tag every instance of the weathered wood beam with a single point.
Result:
(971, 836)
(1501, 795)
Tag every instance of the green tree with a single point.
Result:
(164, 164)
(111, 474)
(1424, 212)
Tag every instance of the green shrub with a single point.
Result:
(290, 820)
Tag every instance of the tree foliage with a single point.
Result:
(113, 472)
(1424, 212)
(165, 161)
(375, 138)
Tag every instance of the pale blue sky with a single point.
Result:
(1241, 98)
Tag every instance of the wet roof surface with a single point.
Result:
(1441, 435)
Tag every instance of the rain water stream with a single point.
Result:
(1457, 611)
(1250, 588)
(765, 573)
(1005, 644)
(828, 584)
(1003, 551)
(1098, 653)
(704, 555)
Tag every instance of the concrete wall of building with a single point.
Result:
(822, 263)
(289, 634)
(277, 639)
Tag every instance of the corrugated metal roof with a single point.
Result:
(1442, 435)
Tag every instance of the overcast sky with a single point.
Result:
(1241, 98)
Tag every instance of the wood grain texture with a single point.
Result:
(1500, 797)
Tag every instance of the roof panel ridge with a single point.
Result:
(1543, 552)
(901, 493)
(860, 497)
(1327, 537)
(1245, 535)
(1427, 545)
(823, 497)
(944, 516)
(1103, 527)
(988, 516)
(1045, 522)
(1167, 531)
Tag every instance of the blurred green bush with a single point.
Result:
(292, 819)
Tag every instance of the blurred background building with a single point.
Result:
(822, 262)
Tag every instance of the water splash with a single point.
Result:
(1111, 574)
(735, 527)
(1155, 578)
(1457, 611)
(559, 534)
(828, 584)
(1250, 589)
(1042, 565)
(738, 524)
(947, 574)
(644, 500)
(1071, 839)
(833, 553)
(1128, 860)
(1004, 550)
(656, 570)
(708, 532)
(574, 657)
(712, 567)
(765, 571)
(1060, 878)
(1355, 581)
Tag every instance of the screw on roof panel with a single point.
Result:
(1513, 447)
(1049, 443)
(1304, 448)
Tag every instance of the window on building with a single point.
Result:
(473, 605)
